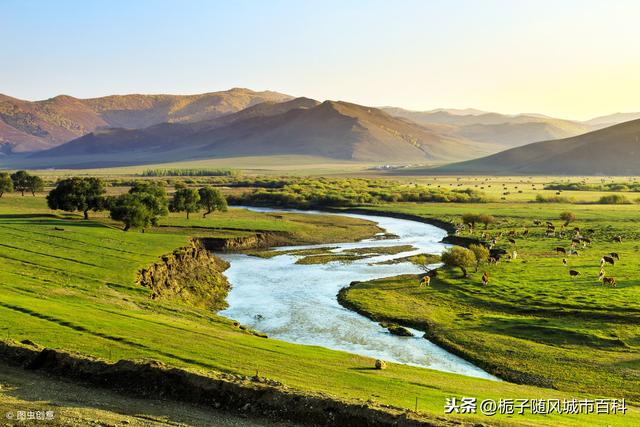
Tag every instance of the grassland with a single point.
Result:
(75, 289)
(532, 323)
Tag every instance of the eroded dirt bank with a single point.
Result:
(192, 274)
(243, 395)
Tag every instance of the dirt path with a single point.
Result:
(77, 405)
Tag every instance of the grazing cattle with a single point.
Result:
(537, 222)
(573, 273)
(525, 232)
(513, 242)
(576, 229)
(426, 281)
(573, 252)
(617, 239)
(585, 240)
(549, 224)
(575, 240)
(614, 255)
(590, 230)
(564, 261)
(611, 281)
(608, 260)
(560, 250)
(601, 274)
(485, 278)
(492, 260)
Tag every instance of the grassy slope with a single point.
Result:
(532, 317)
(74, 289)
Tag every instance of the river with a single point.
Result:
(298, 304)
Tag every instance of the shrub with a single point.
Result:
(614, 199)
(460, 257)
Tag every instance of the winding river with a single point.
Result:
(297, 303)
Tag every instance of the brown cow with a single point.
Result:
(617, 239)
(560, 250)
(573, 273)
(426, 281)
(611, 281)
(485, 278)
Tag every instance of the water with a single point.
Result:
(297, 303)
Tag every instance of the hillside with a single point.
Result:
(505, 130)
(334, 130)
(32, 126)
(611, 151)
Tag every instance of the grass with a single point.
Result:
(75, 290)
(532, 321)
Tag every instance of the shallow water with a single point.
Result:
(297, 303)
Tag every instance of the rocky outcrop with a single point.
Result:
(191, 274)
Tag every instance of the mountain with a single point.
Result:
(332, 129)
(612, 119)
(505, 130)
(31, 126)
(611, 151)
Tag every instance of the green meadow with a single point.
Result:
(70, 284)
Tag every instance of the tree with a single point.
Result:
(6, 184)
(35, 184)
(78, 194)
(141, 207)
(486, 220)
(470, 218)
(185, 200)
(567, 217)
(460, 257)
(20, 181)
(480, 252)
(211, 199)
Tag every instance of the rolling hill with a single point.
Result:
(505, 130)
(610, 151)
(334, 130)
(31, 126)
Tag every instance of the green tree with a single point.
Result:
(480, 252)
(78, 194)
(6, 184)
(471, 218)
(486, 220)
(185, 200)
(567, 217)
(460, 257)
(141, 207)
(20, 181)
(211, 199)
(35, 184)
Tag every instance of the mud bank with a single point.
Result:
(191, 274)
(238, 394)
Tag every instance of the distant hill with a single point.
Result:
(611, 151)
(31, 126)
(505, 130)
(332, 129)
(612, 119)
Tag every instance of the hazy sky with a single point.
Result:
(573, 59)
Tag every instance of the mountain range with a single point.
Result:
(614, 150)
(133, 129)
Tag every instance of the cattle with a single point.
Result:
(525, 232)
(492, 260)
(537, 222)
(573, 252)
(575, 240)
(614, 255)
(601, 274)
(608, 260)
(611, 281)
(560, 250)
(513, 242)
(564, 261)
(617, 239)
(485, 278)
(426, 281)
(576, 229)
(573, 273)
(585, 240)
(549, 224)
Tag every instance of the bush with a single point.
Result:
(567, 217)
(540, 198)
(460, 257)
(614, 199)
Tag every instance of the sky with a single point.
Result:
(566, 58)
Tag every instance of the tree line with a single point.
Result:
(20, 182)
(142, 206)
